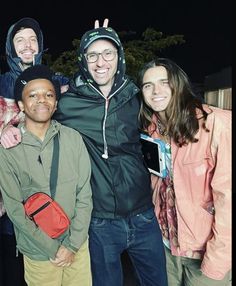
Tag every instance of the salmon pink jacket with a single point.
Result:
(203, 191)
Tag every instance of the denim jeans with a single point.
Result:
(140, 235)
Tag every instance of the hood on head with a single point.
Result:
(87, 39)
(100, 33)
(12, 59)
(24, 23)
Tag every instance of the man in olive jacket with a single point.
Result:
(25, 170)
(102, 104)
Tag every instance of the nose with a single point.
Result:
(100, 60)
(27, 43)
(156, 88)
(41, 98)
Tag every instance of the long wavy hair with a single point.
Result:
(182, 121)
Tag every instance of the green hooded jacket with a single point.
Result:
(25, 170)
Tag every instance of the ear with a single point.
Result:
(21, 105)
(105, 23)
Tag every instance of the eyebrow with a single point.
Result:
(161, 79)
(147, 83)
(96, 52)
(23, 37)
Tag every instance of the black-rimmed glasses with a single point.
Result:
(107, 55)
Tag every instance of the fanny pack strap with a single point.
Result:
(54, 167)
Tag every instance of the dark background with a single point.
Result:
(205, 24)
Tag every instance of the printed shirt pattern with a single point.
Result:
(168, 216)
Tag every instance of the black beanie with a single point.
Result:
(31, 73)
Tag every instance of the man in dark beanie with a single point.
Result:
(35, 72)
(24, 48)
(26, 169)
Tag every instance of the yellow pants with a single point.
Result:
(46, 274)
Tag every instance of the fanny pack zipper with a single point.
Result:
(40, 209)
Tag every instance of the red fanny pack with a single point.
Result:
(46, 214)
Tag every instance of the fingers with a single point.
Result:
(64, 257)
(105, 23)
(10, 137)
(96, 24)
(58, 263)
(64, 88)
(63, 264)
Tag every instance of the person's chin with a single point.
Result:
(28, 62)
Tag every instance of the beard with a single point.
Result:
(26, 65)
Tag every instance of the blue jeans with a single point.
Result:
(140, 235)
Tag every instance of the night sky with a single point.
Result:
(205, 24)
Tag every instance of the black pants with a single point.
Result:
(11, 262)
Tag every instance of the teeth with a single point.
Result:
(27, 52)
(101, 71)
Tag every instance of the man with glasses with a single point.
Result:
(102, 104)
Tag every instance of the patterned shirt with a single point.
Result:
(168, 216)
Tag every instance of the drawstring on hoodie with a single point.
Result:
(88, 38)
(105, 148)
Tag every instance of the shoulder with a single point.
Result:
(69, 133)
(219, 115)
(219, 122)
(7, 85)
(63, 80)
(127, 91)
(130, 84)
(6, 78)
(71, 139)
(8, 156)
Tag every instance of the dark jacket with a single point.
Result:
(7, 80)
(109, 126)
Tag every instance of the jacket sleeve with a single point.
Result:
(217, 259)
(9, 113)
(2, 208)
(11, 192)
(63, 80)
(80, 222)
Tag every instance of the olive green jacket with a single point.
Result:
(25, 169)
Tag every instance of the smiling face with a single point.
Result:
(155, 88)
(38, 102)
(26, 45)
(103, 71)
